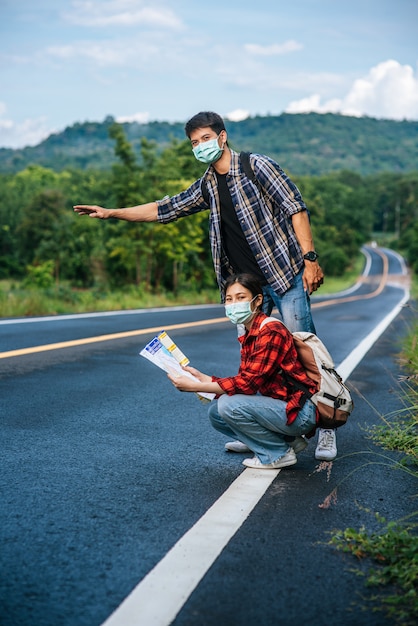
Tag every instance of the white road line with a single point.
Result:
(161, 594)
(353, 359)
(76, 316)
(400, 258)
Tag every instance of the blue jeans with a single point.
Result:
(294, 306)
(260, 423)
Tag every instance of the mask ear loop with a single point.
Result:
(258, 307)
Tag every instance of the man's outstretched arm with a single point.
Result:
(141, 213)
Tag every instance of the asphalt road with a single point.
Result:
(105, 466)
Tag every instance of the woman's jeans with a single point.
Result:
(294, 306)
(260, 423)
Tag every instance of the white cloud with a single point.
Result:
(313, 103)
(390, 90)
(102, 54)
(30, 132)
(273, 49)
(144, 54)
(121, 13)
(238, 115)
(141, 118)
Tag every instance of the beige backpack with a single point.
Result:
(333, 399)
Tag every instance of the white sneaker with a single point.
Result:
(288, 459)
(298, 444)
(237, 446)
(326, 449)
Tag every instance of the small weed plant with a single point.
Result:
(393, 552)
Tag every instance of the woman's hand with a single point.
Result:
(185, 383)
(203, 378)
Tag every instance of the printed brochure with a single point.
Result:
(166, 355)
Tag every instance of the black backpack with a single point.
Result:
(248, 171)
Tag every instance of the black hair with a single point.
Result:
(249, 281)
(205, 119)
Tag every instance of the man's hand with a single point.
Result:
(92, 210)
(313, 276)
(140, 213)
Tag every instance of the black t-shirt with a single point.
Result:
(234, 242)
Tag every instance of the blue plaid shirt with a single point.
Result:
(265, 217)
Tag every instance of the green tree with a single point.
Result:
(18, 193)
(39, 226)
(153, 255)
(340, 218)
(37, 223)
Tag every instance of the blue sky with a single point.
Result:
(67, 61)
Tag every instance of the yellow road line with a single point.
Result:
(129, 333)
(145, 331)
(366, 296)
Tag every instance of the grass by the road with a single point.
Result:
(20, 299)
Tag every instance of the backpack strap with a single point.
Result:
(246, 166)
(271, 319)
(292, 382)
(204, 190)
(249, 172)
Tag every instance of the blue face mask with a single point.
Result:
(208, 151)
(239, 312)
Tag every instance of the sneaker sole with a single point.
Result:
(322, 457)
(288, 464)
(270, 466)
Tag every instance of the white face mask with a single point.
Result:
(240, 312)
(208, 151)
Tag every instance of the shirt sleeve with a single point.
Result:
(278, 185)
(182, 204)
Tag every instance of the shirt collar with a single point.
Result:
(255, 326)
(234, 167)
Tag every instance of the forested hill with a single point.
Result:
(303, 144)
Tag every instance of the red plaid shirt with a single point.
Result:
(265, 353)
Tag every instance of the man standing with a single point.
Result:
(257, 225)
